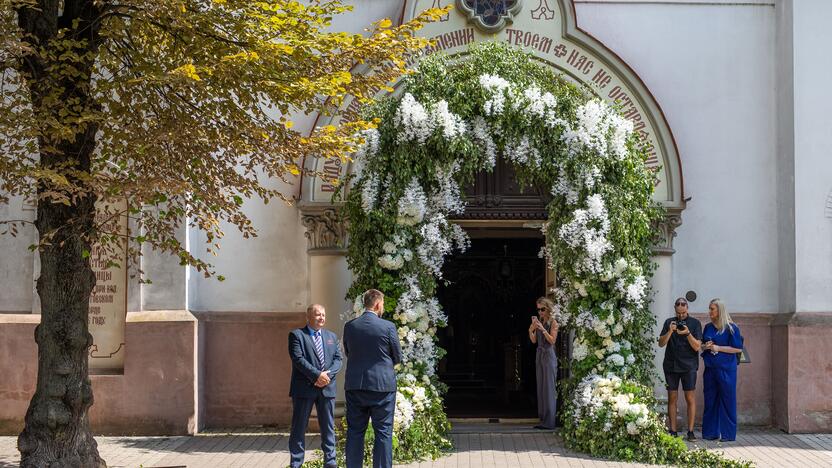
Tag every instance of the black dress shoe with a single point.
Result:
(691, 436)
(673, 433)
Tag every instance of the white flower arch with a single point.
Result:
(451, 122)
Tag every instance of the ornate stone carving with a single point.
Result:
(325, 230)
(666, 231)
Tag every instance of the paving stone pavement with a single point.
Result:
(475, 446)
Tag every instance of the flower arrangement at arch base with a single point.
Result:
(455, 119)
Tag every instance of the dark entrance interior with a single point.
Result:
(489, 298)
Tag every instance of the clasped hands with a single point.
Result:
(323, 379)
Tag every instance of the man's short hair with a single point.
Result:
(312, 307)
(371, 297)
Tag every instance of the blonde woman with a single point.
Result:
(543, 332)
(723, 343)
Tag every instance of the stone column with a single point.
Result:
(662, 285)
(329, 277)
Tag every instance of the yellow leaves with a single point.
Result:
(288, 124)
(385, 23)
(285, 48)
(244, 56)
(342, 77)
(293, 169)
(187, 71)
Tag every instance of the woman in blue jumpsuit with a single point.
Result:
(722, 343)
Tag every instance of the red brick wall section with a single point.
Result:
(18, 369)
(805, 379)
(156, 395)
(246, 368)
(754, 397)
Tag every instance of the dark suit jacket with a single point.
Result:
(305, 364)
(372, 348)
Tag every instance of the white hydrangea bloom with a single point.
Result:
(482, 136)
(578, 234)
(448, 197)
(391, 262)
(366, 150)
(412, 205)
(497, 87)
(403, 417)
(635, 291)
(413, 120)
(435, 246)
(369, 193)
(451, 124)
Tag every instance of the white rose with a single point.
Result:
(632, 429)
(620, 266)
(618, 329)
(599, 354)
(389, 247)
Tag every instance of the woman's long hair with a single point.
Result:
(724, 321)
(549, 305)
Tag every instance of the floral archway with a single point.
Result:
(452, 120)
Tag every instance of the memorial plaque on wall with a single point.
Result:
(108, 302)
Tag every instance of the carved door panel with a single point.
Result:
(498, 195)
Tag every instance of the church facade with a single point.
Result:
(731, 97)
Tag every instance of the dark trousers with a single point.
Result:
(363, 405)
(301, 409)
(719, 419)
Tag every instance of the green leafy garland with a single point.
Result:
(455, 119)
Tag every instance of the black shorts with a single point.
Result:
(688, 380)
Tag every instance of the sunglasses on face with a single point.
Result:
(681, 303)
(541, 309)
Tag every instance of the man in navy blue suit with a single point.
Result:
(316, 360)
(372, 348)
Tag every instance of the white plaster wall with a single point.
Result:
(16, 261)
(266, 273)
(711, 68)
(813, 155)
(271, 272)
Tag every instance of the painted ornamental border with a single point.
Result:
(548, 29)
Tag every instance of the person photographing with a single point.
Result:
(543, 332)
(682, 335)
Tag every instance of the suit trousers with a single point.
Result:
(363, 405)
(301, 409)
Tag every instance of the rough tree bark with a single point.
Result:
(57, 432)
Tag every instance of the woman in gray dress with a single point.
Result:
(543, 332)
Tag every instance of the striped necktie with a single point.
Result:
(319, 347)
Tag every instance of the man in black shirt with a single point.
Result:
(682, 335)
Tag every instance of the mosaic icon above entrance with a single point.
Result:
(490, 15)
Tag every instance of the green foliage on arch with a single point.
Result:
(454, 119)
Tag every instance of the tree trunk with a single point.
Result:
(56, 432)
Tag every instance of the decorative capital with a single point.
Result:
(325, 230)
(665, 232)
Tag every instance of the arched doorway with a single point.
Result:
(488, 293)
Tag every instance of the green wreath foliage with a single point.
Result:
(449, 121)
